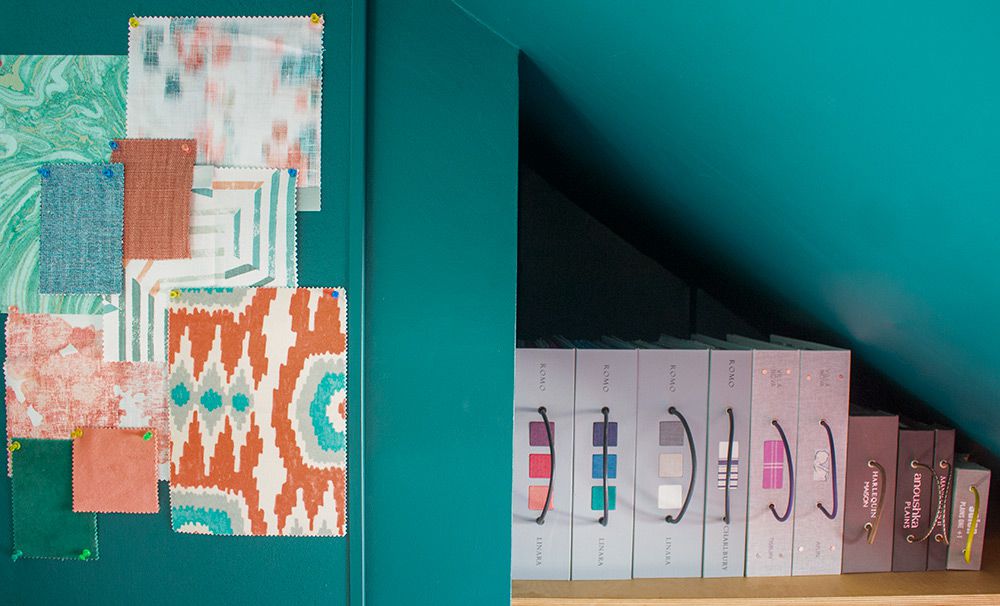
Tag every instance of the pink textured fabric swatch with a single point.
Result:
(57, 380)
(114, 470)
(158, 176)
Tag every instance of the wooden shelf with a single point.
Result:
(900, 588)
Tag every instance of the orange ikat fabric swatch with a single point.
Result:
(57, 380)
(257, 386)
(158, 176)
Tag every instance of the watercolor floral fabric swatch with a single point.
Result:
(57, 380)
(52, 109)
(248, 89)
(258, 395)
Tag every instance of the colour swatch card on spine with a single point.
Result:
(258, 388)
(670, 445)
(55, 109)
(773, 429)
(603, 486)
(824, 399)
(725, 462)
(544, 383)
(248, 89)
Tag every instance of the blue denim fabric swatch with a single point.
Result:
(81, 208)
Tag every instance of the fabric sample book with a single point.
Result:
(242, 226)
(80, 249)
(258, 389)
(45, 525)
(968, 515)
(158, 174)
(54, 109)
(915, 499)
(57, 381)
(248, 89)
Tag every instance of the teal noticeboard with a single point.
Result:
(142, 561)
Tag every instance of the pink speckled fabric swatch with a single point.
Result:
(114, 470)
(57, 380)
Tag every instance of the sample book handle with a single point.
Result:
(694, 467)
(552, 465)
(604, 464)
(729, 461)
(872, 529)
(942, 537)
(973, 522)
(791, 476)
(833, 473)
(940, 501)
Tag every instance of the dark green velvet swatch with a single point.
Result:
(45, 525)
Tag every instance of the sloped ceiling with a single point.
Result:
(843, 158)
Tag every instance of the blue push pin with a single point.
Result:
(44, 172)
(16, 555)
(113, 144)
(107, 172)
(335, 295)
(292, 172)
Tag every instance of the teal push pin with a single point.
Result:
(84, 555)
(16, 555)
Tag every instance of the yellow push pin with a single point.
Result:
(76, 433)
(133, 22)
(15, 445)
(175, 293)
(314, 18)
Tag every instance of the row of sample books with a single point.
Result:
(704, 457)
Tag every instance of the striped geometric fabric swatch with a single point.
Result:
(258, 395)
(57, 381)
(80, 249)
(55, 109)
(733, 464)
(45, 525)
(242, 227)
(247, 89)
(774, 464)
(158, 174)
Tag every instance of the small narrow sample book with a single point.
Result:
(968, 515)
(543, 463)
(258, 389)
(248, 89)
(45, 525)
(56, 108)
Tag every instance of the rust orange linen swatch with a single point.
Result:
(114, 470)
(158, 176)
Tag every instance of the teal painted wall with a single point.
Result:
(442, 241)
(142, 560)
(839, 158)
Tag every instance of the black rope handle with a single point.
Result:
(552, 465)
(915, 464)
(729, 462)
(942, 537)
(833, 473)
(694, 467)
(604, 462)
(791, 477)
(873, 528)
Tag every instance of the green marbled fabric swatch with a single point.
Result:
(52, 109)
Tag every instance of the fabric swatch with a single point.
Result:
(158, 174)
(52, 109)
(114, 470)
(258, 411)
(80, 249)
(247, 89)
(57, 380)
(242, 234)
(45, 525)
